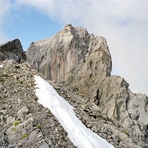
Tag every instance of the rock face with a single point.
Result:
(82, 61)
(58, 57)
(12, 50)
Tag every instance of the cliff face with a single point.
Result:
(23, 121)
(62, 56)
(82, 61)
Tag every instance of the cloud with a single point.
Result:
(124, 23)
(4, 7)
(4, 10)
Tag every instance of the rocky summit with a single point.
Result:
(78, 65)
(12, 50)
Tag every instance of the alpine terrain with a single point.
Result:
(60, 93)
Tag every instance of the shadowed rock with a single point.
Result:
(12, 50)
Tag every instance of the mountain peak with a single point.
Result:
(75, 31)
(82, 61)
(68, 49)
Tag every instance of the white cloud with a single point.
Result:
(4, 10)
(124, 23)
(4, 7)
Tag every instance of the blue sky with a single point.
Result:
(124, 23)
(29, 25)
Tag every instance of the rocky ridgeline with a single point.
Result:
(12, 50)
(82, 61)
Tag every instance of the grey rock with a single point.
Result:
(10, 120)
(61, 57)
(12, 50)
(22, 112)
(44, 145)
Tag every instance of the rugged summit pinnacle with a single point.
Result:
(58, 57)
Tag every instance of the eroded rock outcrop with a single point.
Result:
(82, 61)
(12, 50)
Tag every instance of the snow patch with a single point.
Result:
(78, 133)
(1, 66)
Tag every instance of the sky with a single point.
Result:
(78, 133)
(124, 23)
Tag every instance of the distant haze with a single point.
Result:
(124, 23)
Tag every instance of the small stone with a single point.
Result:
(10, 119)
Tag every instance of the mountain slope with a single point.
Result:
(24, 122)
(79, 135)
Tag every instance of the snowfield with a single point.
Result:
(78, 133)
(1, 66)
